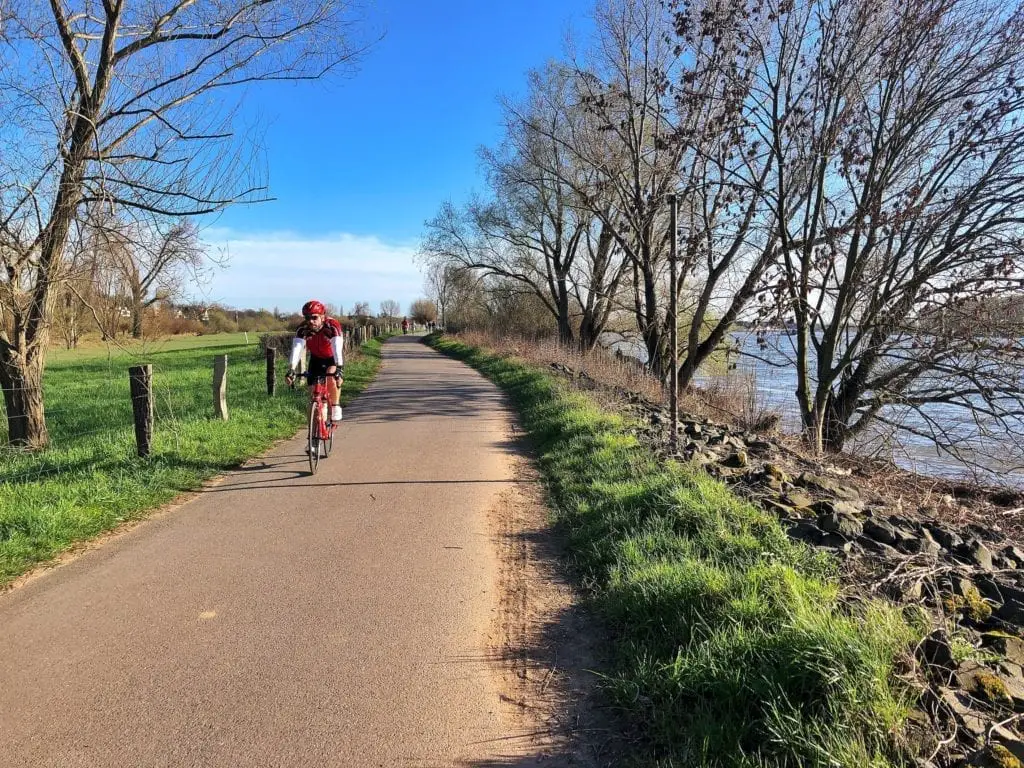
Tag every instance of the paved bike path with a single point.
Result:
(282, 619)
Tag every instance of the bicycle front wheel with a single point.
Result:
(313, 441)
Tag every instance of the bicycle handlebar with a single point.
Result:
(338, 374)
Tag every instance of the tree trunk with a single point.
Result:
(813, 429)
(825, 428)
(834, 430)
(136, 315)
(654, 340)
(565, 334)
(588, 332)
(21, 362)
(22, 382)
(654, 343)
(69, 320)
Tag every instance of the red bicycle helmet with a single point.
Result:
(313, 307)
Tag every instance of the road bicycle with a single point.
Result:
(321, 427)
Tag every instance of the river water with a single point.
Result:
(984, 449)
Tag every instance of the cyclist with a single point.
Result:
(324, 338)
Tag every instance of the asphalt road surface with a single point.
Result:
(283, 619)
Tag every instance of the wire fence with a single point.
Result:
(92, 417)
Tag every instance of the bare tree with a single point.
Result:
(527, 230)
(93, 287)
(440, 284)
(423, 311)
(361, 312)
(584, 263)
(75, 308)
(121, 104)
(151, 258)
(900, 208)
(460, 294)
(539, 227)
(597, 282)
(580, 184)
(621, 140)
(726, 226)
(390, 308)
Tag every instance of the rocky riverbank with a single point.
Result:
(950, 553)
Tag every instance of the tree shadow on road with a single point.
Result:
(397, 396)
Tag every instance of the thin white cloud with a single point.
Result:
(283, 270)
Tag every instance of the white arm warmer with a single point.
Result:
(298, 347)
(337, 346)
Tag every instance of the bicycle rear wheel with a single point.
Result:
(313, 441)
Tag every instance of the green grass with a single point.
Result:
(90, 479)
(731, 647)
(133, 349)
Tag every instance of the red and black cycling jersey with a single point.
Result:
(319, 342)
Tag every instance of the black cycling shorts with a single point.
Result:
(318, 366)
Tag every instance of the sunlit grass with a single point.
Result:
(127, 348)
(90, 479)
(732, 647)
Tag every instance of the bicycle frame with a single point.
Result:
(319, 397)
(321, 428)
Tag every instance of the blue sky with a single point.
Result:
(358, 164)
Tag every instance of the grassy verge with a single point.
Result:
(90, 480)
(732, 647)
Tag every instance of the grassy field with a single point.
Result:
(132, 349)
(90, 480)
(731, 645)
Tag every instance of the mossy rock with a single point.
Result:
(969, 603)
(989, 687)
(996, 756)
(799, 499)
(737, 460)
(777, 473)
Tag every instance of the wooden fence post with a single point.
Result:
(271, 370)
(141, 378)
(220, 386)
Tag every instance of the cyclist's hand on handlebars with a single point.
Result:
(290, 377)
